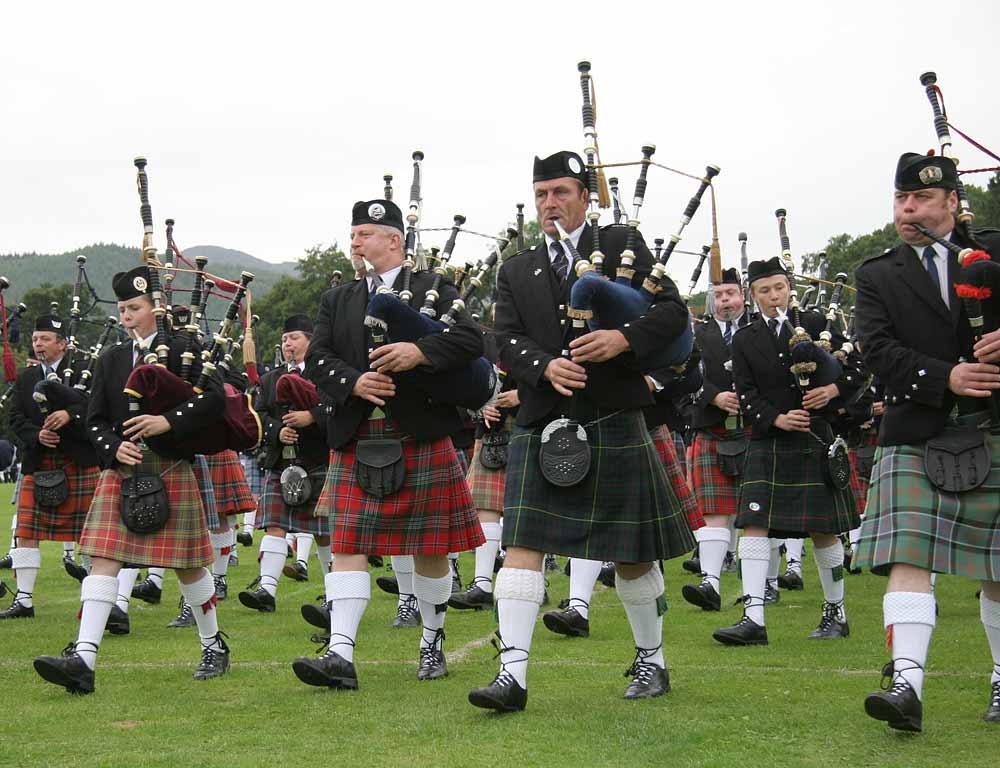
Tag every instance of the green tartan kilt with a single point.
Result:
(625, 509)
(909, 520)
(783, 488)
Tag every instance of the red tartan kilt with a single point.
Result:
(859, 486)
(232, 492)
(183, 542)
(486, 485)
(432, 514)
(664, 443)
(65, 522)
(716, 493)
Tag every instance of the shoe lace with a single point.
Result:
(186, 612)
(578, 602)
(995, 695)
(831, 615)
(407, 610)
(212, 649)
(892, 678)
(641, 670)
(429, 652)
(480, 580)
(504, 676)
(327, 648)
(220, 580)
(72, 648)
(18, 595)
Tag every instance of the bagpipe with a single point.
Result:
(154, 389)
(390, 318)
(294, 392)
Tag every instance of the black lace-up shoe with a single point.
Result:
(118, 622)
(388, 584)
(17, 609)
(703, 595)
(331, 670)
(214, 659)
(568, 622)
(317, 615)
(648, 680)
(74, 569)
(407, 614)
(474, 597)
(298, 571)
(258, 599)
(791, 580)
(221, 587)
(898, 706)
(147, 591)
(992, 714)
(183, 619)
(432, 664)
(832, 624)
(68, 670)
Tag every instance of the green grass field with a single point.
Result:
(793, 703)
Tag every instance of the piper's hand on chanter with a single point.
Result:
(565, 375)
(129, 454)
(374, 387)
(491, 414)
(987, 349)
(146, 425)
(598, 346)
(728, 402)
(298, 419)
(48, 438)
(820, 397)
(398, 357)
(974, 379)
(793, 421)
(288, 436)
(508, 399)
(56, 420)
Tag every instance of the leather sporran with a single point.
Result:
(731, 456)
(144, 505)
(958, 459)
(837, 465)
(493, 449)
(379, 466)
(51, 487)
(564, 456)
(296, 486)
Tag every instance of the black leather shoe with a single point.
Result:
(432, 664)
(473, 597)
(456, 579)
(992, 714)
(245, 538)
(832, 624)
(744, 632)
(74, 569)
(898, 706)
(568, 622)
(407, 614)
(502, 695)
(259, 599)
(498, 563)
(297, 570)
(331, 670)
(376, 561)
(388, 584)
(69, 670)
(214, 659)
(3, 589)
(693, 563)
(729, 563)
(118, 622)
(648, 680)
(703, 595)
(221, 587)
(234, 558)
(6, 563)
(771, 595)
(791, 580)
(607, 575)
(317, 615)
(18, 611)
(183, 619)
(551, 566)
(147, 591)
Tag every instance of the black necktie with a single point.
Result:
(560, 264)
(728, 335)
(932, 270)
(772, 325)
(377, 282)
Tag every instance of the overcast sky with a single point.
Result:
(263, 123)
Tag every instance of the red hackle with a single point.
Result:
(966, 291)
(975, 256)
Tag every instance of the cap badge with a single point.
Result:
(376, 211)
(930, 175)
(139, 283)
(57, 324)
(574, 165)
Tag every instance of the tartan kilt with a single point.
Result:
(232, 493)
(65, 522)
(783, 488)
(681, 449)
(859, 485)
(716, 493)
(204, 477)
(183, 542)
(485, 485)
(909, 520)
(432, 514)
(625, 510)
(254, 474)
(666, 446)
(272, 512)
(463, 460)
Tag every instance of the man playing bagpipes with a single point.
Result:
(59, 464)
(295, 457)
(621, 506)
(789, 485)
(935, 484)
(146, 510)
(394, 485)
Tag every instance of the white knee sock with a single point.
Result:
(486, 555)
(126, 580)
(910, 617)
(793, 554)
(582, 578)
(325, 557)
(303, 547)
(830, 565)
(641, 600)
(989, 612)
(25, 562)
(272, 560)
(68, 549)
(222, 545)
(201, 597)
(854, 537)
(98, 594)
(13, 520)
(713, 543)
(518, 595)
(734, 535)
(348, 593)
(402, 566)
(774, 563)
(755, 556)
(155, 575)
(432, 598)
(249, 521)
